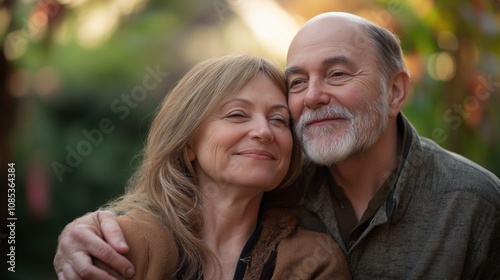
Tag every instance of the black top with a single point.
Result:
(245, 258)
(245, 254)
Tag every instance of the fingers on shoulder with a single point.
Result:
(314, 253)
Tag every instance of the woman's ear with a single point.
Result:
(190, 152)
(398, 92)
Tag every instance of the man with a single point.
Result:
(399, 206)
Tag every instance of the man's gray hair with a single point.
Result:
(390, 54)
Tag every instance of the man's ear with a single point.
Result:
(398, 92)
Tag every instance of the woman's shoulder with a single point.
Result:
(152, 249)
(308, 254)
(140, 224)
(300, 253)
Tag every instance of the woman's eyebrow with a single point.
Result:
(279, 106)
(240, 100)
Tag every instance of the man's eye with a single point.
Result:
(338, 74)
(338, 77)
(296, 85)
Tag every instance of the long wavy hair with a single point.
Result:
(165, 184)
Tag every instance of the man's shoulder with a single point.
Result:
(455, 164)
(428, 157)
(453, 172)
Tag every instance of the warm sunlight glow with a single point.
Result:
(422, 7)
(97, 22)
(271, 24)
(129, 6)
(96, 25)
(72, 3)
(441, 66)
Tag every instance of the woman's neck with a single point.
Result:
(229, 220)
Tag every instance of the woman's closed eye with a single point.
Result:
(236, 114)
(279, 121)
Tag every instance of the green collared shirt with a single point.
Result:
(350, 227)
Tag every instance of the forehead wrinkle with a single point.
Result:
(340, 59)
(303, 52)
(329, 61)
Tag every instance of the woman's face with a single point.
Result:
(247, 143)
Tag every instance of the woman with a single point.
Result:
(210, 199)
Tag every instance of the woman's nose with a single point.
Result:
(261, 131)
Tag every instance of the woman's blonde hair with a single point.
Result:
(165, 184)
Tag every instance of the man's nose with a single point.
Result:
(316, 96)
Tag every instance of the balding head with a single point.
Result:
(353, 34)
(333, 17)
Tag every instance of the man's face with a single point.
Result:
(336, 95)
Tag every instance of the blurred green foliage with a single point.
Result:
(62, 83)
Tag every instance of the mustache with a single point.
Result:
(324, 112)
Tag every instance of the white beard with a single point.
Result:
(357, 130)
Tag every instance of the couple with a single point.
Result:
(397, 205)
